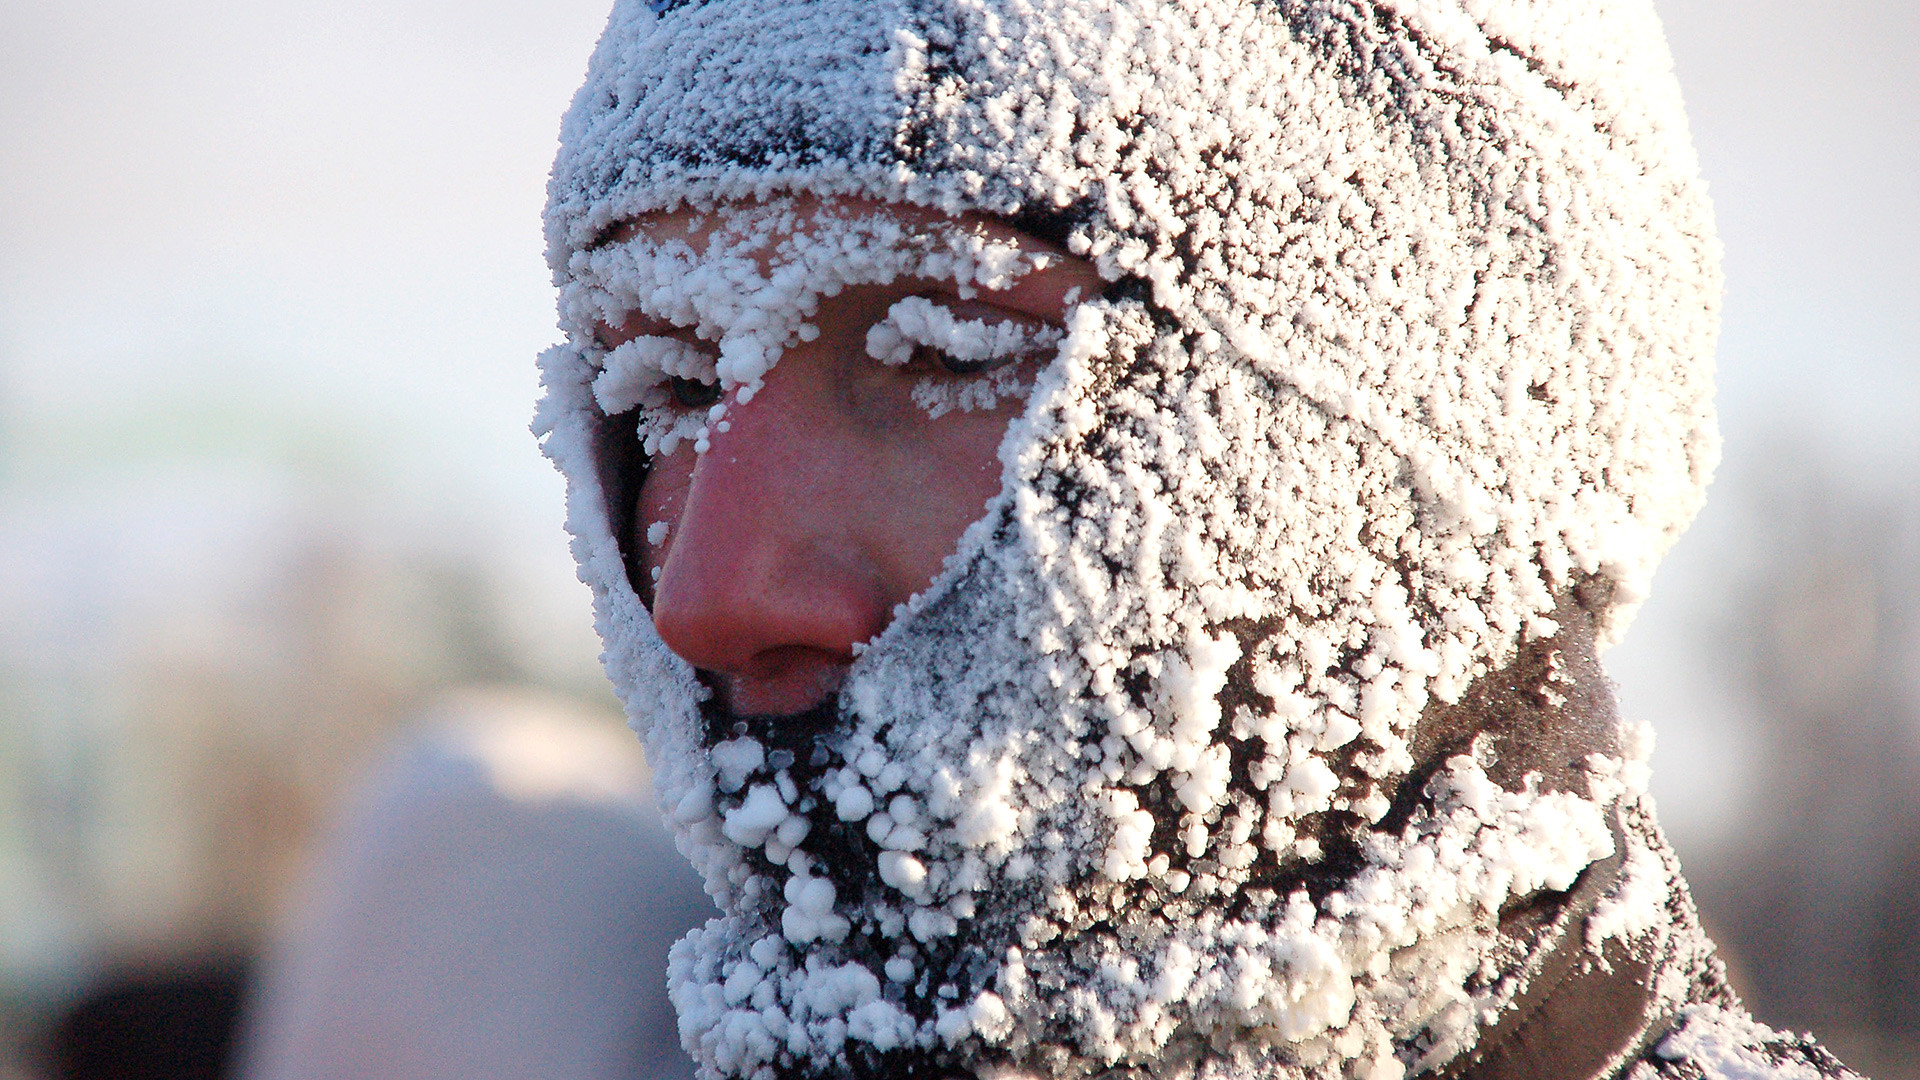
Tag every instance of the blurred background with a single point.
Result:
(270, 292)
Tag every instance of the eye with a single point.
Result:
(692, 393)
(953, 365)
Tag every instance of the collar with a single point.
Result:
(1578, 1014)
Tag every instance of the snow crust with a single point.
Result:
(1411, 332)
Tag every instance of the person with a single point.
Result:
(1106, 513)
(495, 903)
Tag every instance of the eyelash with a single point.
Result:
(919, 329)
(925, 355)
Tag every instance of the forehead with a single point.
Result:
(765, 226)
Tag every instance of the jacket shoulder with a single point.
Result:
(1710, 1042)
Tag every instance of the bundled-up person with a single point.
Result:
(1107, 513)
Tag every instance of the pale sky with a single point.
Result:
(302, 243)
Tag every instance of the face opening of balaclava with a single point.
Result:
(1401, 388)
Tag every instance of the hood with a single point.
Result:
(1408, 345)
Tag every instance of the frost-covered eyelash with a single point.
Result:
(917, 320)
(639, 373)
(639, 365)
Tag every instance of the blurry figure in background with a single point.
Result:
(188, 681)
(1820, 902)
(497, 904)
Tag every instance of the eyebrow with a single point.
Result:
(642, 324)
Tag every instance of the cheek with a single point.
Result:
(957, 469)
(662, 497)
(973, 444)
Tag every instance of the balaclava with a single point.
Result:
(1203, 754)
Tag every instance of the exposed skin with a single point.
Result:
(833, 497)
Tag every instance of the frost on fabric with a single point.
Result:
(1637, 906)
(1713, 1043)
(1411, 332)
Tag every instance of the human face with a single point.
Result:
(833, 495)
